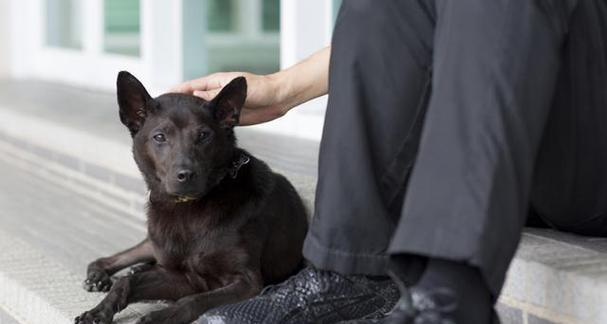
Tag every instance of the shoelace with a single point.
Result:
(430, 311)
(273, 288)
(428, 300)
(423, 308)
(301, 279)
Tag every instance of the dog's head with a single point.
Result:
(181, 143)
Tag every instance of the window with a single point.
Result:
(271, 15)
(336, 5)
(243, 35)
(221, 15)
(86, 42)
(122, 27)
(63, 24)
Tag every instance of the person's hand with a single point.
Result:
(263, 103)
(269, 96)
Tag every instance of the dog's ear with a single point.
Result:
(132, 100)
(227, 104)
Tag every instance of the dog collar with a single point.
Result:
(236, 165)
(184, 199)
(242, 160)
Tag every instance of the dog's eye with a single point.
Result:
(160, 138)
(204, 135)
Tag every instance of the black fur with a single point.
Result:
(217, 231)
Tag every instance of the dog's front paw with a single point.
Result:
(97, 280)
(140, 268)
(94, 317)
(170, 315)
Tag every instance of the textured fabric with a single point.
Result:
(379, 82)
(312, 296)
(570, 183)
(466, 288)
(425, 307)
(437, 113)
(469, 192)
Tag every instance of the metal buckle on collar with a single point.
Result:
(184, 199)
(236, 165)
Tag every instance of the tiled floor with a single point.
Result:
(6, 318)
(44, 224)
(64, 224)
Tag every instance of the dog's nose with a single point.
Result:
(184, 175)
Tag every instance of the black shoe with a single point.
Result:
(422, 307)
(311, 296)
(419, 306)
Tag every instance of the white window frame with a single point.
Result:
(249, 25)
(305, 28)
(162, 56)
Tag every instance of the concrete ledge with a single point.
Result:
(559, 277)
(45, 252)
(37, 289)
(6, 318)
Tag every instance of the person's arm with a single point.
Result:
(306, 80)
(269, 96)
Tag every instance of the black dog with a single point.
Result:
(221, 224)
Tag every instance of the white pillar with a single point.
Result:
(194, 43)
(172, 41)
(25, 20)
(304, 28)
(5, 30)
(91, 16)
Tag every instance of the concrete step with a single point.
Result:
(557, 278)
(6, 318)
(48, 233)
(70, 192)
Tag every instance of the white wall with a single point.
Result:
(306, 27)
(4, 38)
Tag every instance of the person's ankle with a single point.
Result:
(474, 299)
(408, 268)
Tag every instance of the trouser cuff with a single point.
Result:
(344, 262)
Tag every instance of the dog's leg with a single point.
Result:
(154, 284)
(189, 308)
(99, 271)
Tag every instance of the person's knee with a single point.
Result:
(577, 219)
(358, 32)
(363, 7)
(387, 13)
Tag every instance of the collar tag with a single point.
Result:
(236, 165)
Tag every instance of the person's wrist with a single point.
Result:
(280, 85)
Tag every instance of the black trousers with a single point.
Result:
(448, 120)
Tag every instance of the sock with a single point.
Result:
(474, 300)
(408, 267)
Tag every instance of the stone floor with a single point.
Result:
(5, 318)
